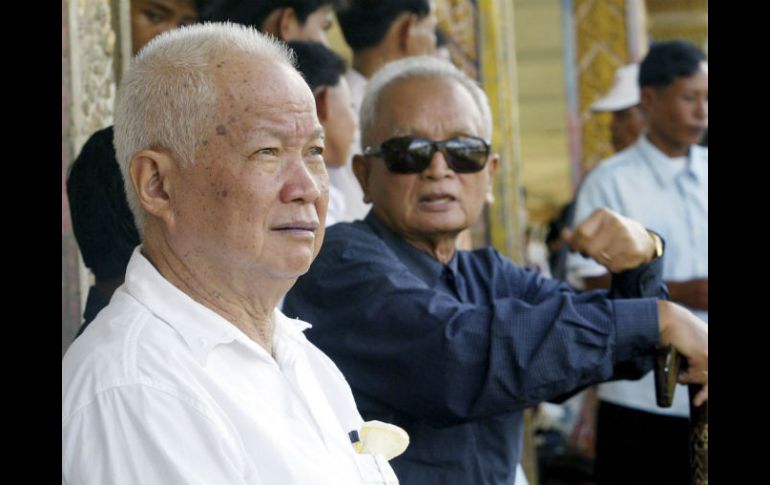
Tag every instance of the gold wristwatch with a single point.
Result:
(658, 244)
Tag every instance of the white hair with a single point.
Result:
(419, 67)
(168, 97)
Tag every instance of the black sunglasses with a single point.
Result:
(409, 154)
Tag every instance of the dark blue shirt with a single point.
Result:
(453, 353)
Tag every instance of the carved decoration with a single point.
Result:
(602, 47)
(458, 20)
(93, 47)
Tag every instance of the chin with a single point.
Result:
(297, 268)
(447, 229)
(289, 266)
(447, 222)
(289, 273)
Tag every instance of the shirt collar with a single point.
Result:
(699, 162)
(423, 265)
(661, 164)
(357, 83)
(201, 328)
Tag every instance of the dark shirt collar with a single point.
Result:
(423, 265)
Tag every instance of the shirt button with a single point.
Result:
(202, 342)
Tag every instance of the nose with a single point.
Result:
(438, 167)
(302, 183)
(702, 108)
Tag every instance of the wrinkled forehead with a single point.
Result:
(263, 96)
(244, 81)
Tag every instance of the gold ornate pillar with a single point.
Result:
(458, 20)
(602, 46)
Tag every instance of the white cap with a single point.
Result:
(624, 93)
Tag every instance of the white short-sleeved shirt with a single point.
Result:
(669, 197)
(161, 390)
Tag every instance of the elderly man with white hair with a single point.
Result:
(452, 345)
(190, 375)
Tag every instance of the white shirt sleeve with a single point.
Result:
(143, 434)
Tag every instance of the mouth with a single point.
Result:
(297, 227)
(437, 201)
(437, 198)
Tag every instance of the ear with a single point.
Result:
(647, 97)
(322, 103)
(402, 28)
(150, 173)
(272, 24)
(412, 36)
(288, 24)
(492, 165)
(361, 168)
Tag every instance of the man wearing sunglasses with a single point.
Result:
(453, 345)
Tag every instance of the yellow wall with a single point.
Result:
(545, 167)
(679, 19)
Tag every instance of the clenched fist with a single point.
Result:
(614, 241)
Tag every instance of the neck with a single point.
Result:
(668, 146)
(248, 310)
(441, 248)
(369, 61)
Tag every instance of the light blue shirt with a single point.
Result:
(670, 198)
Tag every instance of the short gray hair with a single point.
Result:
(414, 67)
(169, 95)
